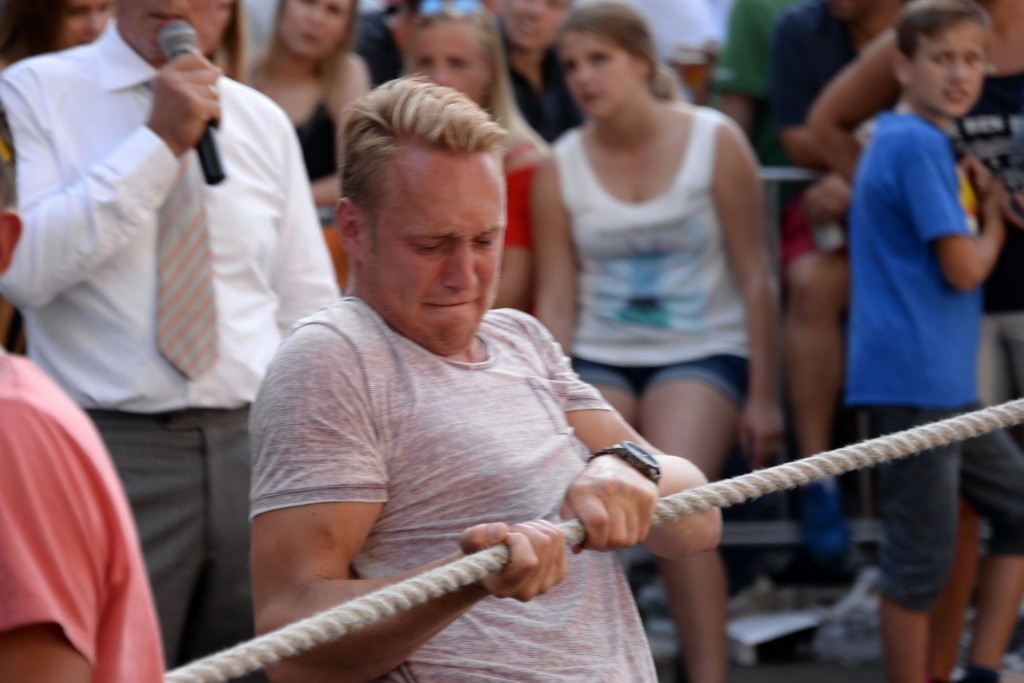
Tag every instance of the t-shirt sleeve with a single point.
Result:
(927, 175)
(52, 546)
(792, 92)
(578, 395)
(742, 67)
(314, 439)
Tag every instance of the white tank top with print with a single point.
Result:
(655, 286)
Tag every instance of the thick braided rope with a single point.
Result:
(363, 611)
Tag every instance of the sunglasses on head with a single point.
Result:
(431, 7)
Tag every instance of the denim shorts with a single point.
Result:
(919, 496)
(726, 373)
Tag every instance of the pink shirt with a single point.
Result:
(69, 553)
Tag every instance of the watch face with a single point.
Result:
(635, 457)
(641, 460)
(640, 453)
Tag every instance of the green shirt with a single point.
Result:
(744, 67)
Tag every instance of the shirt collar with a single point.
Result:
(122, 67)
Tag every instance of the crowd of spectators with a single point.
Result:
(637, 232)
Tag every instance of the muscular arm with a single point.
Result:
(615, 502)
(737, 195)
(861, 90)
(555, 256)
(301, 565)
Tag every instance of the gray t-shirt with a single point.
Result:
(352, 411)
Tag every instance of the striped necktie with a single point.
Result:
(186, 309)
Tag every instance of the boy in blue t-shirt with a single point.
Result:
(914, 323)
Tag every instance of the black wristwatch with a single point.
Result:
(634, 456)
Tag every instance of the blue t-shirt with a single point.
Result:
(809, 47)
(913, 339)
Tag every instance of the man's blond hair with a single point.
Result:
(404, 112)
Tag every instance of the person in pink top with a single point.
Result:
(75, 604)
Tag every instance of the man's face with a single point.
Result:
(429, 265)
(140, 21)
(533, 24)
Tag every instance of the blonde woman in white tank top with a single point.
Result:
(653, 274)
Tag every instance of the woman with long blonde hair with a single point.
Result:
(457, 43)
(310, 70)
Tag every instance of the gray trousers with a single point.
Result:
(186, 474)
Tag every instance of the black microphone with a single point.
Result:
(177, 38)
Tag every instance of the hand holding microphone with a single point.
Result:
(185, 99)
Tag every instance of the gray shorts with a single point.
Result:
(919, 499)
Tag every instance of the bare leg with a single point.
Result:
(697, 600)
(693, 420)
(946, 620)
(818, 288)
(1000, 589)
(904, 642)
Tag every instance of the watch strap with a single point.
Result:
(634, 456)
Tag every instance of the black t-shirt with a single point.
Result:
(987, 133)
(552, 111)
(316, 138)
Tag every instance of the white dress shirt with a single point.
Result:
(92, 177)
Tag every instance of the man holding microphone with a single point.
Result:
(155, 298)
